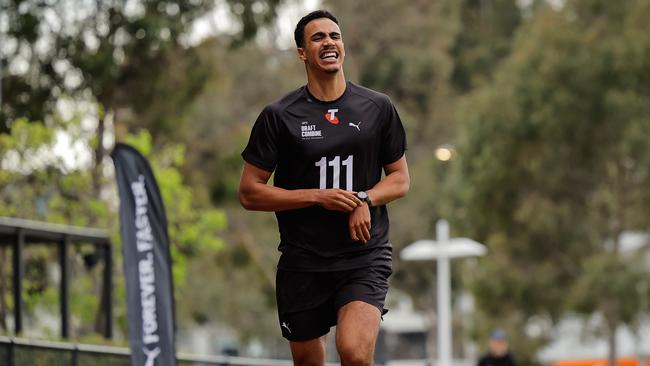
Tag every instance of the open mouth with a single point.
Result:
(329, 55)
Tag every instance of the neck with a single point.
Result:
(326, 87)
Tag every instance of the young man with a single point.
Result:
(328, 143)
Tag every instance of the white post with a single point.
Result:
(444, 298)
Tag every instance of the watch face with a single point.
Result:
(362, 195)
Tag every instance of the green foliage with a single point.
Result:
(620, 282)
(130, 57)
(487, 29)
(38, 185)
(193, 227)
(554, 163)
(46, 190)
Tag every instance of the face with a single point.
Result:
(323, 48)
(498, 347)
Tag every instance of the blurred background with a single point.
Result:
(528, 125)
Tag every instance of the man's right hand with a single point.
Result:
(337, 199)
(255, 194)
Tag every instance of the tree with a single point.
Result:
(485, 38)
(128, 57)
(130, 61)
(38, 185)
(115, 50)
(554, 164)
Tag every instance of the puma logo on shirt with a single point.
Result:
(356, 126)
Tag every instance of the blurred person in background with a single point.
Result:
(498, 351)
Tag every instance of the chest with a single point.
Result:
(315, 130)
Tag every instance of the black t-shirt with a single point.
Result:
(339, 144)
(491, 360)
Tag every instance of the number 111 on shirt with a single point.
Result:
(335, 163)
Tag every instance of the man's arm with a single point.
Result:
(394, 185)
(255, 194)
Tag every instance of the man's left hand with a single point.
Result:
(359, 223)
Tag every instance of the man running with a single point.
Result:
(327, 143)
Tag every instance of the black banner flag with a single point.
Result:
(147, 262)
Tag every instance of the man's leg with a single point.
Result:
(356, 333)
(308, 353)
(305, 313)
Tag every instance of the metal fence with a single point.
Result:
(27, 352)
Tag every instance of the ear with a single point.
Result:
(301, 54)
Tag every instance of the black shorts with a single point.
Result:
(308, 302)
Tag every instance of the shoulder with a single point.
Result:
(280, 105)
(380, 99)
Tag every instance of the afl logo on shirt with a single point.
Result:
(331, 116)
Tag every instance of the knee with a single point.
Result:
(355, 356)
(314, 356)
(308, 353)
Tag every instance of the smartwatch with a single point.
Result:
(363, 196)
